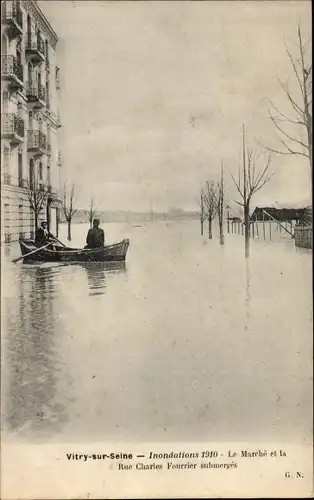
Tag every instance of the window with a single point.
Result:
(4, 45)
(7, 234)
(20, 113)
(5, 101)
(47, 95)
(30, 120)
(47, 53)
(29, 30)
(57, 78)
(31, 173)
(6, 166)
(20, 169)
(21, 221)
(30, 72)
(40, 171)
(6, 160)
(19, 50)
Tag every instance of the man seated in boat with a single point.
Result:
(43, 236)
(95, 236)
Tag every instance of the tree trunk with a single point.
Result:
(247, 229)
(221, 232)
(210, 236)
(221, 224)
(69, 230)
(58, 222)
(202, 226)
(36, 219)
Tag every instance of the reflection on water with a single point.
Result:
(33, 343)
(31, 347)
(191, 342)
(248, 293)
(96, 274)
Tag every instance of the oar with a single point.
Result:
(30, 253)
(59, 241)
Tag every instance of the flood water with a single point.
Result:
(188, 341)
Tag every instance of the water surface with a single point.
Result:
(188, 341)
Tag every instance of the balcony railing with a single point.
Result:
(36, 93)
(11, 68)
(35, 48)
(23, 183)
(12, 127)
(36, 141)
(12, 16)
(6, 178)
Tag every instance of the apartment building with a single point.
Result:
(30, 120)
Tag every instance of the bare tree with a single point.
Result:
(37, 193)
(255, 174)
(201, 204)
(220, 205)
(210, 205)
(291, 127)
(91, 212)
(68, 205)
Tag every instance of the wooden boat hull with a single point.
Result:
(109, 253)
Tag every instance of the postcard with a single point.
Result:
(156, 249)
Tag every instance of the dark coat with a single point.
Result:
(95, 238)
(41, 238)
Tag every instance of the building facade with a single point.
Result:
(30, 121)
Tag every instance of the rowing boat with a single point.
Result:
(109, 253)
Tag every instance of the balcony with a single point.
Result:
(12, 19)
(12, 70)
(36, 142)
(36, 94)
(35, 49)
(12, 128)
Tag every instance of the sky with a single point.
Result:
(154, 95)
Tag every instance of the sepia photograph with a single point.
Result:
(156, 249)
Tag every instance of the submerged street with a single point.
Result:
(188, 341)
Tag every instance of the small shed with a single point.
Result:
(280, 214)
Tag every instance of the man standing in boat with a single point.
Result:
(43, 236)
(95, 236)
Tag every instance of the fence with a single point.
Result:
(303, 236)
(268, 230)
